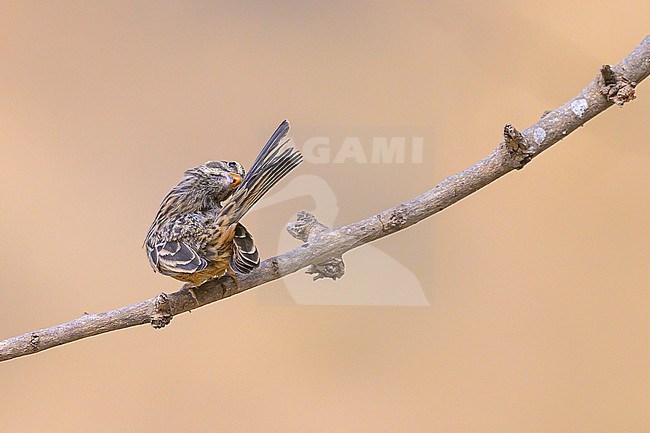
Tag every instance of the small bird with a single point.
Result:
(196, 234)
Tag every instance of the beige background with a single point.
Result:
(538, 284)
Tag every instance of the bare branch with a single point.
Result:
(324, 247)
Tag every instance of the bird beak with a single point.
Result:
(236, 180)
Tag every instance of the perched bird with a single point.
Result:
(196, 234)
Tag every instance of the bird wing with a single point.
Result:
(175, 257)
(244, 257)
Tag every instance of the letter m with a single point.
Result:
(385, 151)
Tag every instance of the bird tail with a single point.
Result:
(275, 161)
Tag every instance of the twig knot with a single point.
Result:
(333, 269)
(162, 314)
(616, 88)
(519, 149)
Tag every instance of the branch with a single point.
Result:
(323, 247)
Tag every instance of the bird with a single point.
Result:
(196, 234)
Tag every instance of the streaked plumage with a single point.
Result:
(196, 234)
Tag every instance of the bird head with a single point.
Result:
(202, 188)
(209, 184)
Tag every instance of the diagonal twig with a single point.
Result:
(323, 247)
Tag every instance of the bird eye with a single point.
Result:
(232, 164)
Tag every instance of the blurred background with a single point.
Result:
(532, 299)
